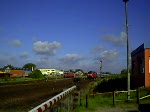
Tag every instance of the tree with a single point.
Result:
(125, 71)
(8, 65)
(36, 74)
(71, 71)
(106, 73)
(29, 66)
(79, 70)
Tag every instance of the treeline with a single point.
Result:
(28, 66)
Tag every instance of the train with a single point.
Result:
(92, 75)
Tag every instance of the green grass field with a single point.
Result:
(11, 80)
(24, 79)
(105, 102)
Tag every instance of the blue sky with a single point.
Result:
(71, 34)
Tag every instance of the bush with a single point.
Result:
(119, 82)
(6, 78)
(116, 82)
(36, 74)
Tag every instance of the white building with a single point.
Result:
(51, 72)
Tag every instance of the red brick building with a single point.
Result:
(17, 73)
(140, 59)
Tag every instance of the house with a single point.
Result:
(140, 62)
(4, 74)
(17, 73)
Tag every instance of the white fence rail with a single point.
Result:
(44, 106)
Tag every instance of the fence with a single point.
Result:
(49, 103)
(137, 98)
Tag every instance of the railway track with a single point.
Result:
(23, 97)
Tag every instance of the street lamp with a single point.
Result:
(128, 53)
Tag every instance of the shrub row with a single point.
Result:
(116, 82)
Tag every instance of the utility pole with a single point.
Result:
(100, 69)
(128, 53)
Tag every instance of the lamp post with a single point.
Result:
(128, 53)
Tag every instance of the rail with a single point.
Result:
(44, 106)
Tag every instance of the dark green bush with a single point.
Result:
(116, 82)
(36, 74)
(6, 78)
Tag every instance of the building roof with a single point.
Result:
(140, 48)
(18, 72)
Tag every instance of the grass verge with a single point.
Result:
(104, 102)
(14, 80)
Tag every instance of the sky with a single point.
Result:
(71, 34)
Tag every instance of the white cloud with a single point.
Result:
(97, 49)
(43, 62)
(16, 43)
(114, 67)
(3, 62)
(71, 58)
(4, 53)
(46, 48)
(71, 61)
(112, 61)
(117, 41)
(13, 60)
(109, 55)
(24, 55)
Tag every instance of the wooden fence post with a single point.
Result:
(60, 106)
(80, 99)
(114, 99)
(51, 109)
(80, 102)
(68, 104)
(86, 101)
(138, 95)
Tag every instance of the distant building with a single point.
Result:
(7, 70)
(50, 72)
(17, 73)
(4, 74)
(27, 72)
(140, 60)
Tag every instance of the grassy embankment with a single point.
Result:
(104, 102)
